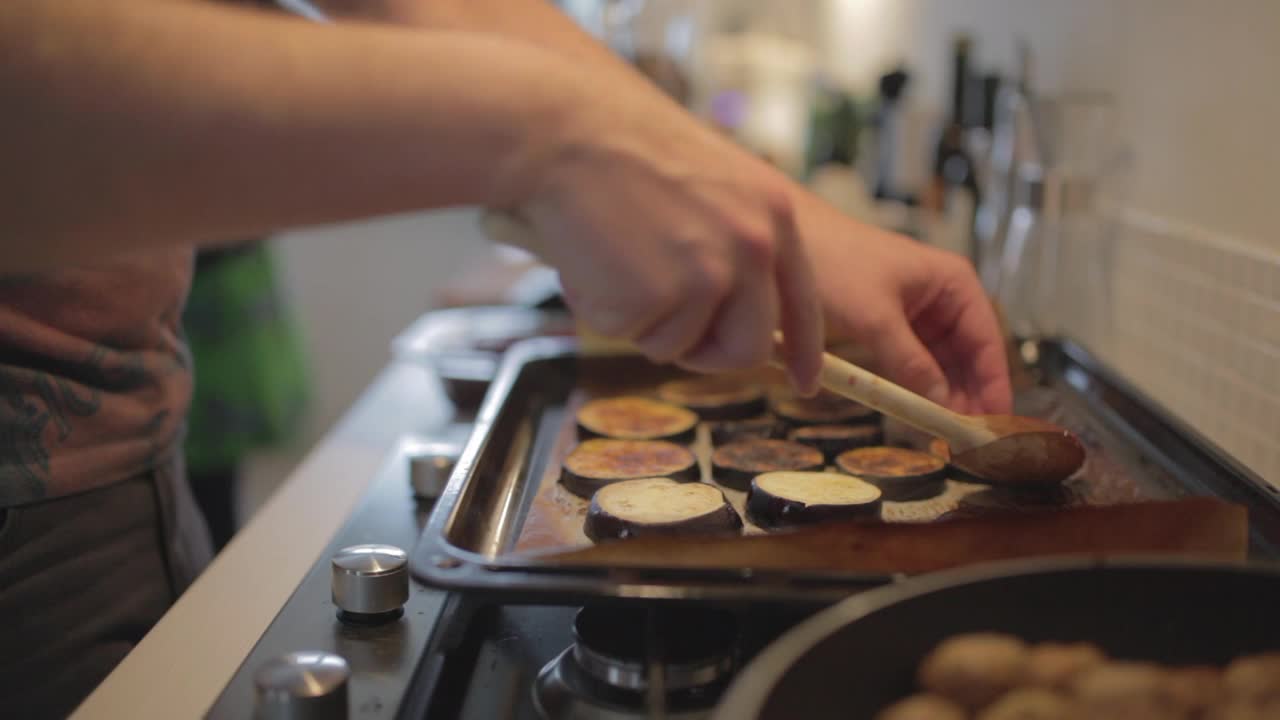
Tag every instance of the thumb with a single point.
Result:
(509, 227)
(902, 358)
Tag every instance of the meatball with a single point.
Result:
(923, 707)
(1194, 688)
(975, 668)
(1125, 691)
(1255, 678)
(1029, 704)
(1242, 710)
(1054, 665)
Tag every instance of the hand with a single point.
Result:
(919, 311)
(667, 235)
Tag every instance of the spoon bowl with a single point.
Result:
(1024, 451)
(997, 449)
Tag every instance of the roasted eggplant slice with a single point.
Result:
(939, 448)
(831, 440)
(636, 418)
(659, 506)
(735, 464)
(778, 499)
(823, 409)
(715, 398)
(723, 432)
(902, 474)
(599, 462)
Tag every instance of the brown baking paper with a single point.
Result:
(1103, 510)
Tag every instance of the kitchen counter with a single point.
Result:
(179, 668)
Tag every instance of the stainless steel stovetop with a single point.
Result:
(447, 657)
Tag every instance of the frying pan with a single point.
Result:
(860, 655)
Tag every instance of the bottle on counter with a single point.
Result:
(890, 123)
(1015, 142)
(952, 192)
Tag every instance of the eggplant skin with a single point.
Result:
(736, 464)
(730, 411)
(585, 484)
(824, 409)
(907, 490)
(837, 438)
(765, 427)
(901, 474)
(601, 525)
(771, 511)
(715, 398)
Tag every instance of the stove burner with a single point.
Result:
(629, 662)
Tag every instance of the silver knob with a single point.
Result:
(303, 686)
(370, 582)
(430, 465)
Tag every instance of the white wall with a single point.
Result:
(352, 288)
(355, 286)
(1195, 83)
(1194, 276)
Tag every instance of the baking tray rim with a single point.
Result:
(440, 563)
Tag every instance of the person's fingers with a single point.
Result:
(689, 321)
(623, 314)
(972, 350)
(979, 338)
(988, 367)
(603, 295)
(567, 291)
(902, 358)
(959, 326)
(741, 335)
(958, 380)
(799, 305)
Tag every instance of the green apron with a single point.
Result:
(250, 374)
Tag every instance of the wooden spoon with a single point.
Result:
(1004, 449)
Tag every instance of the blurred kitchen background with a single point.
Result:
(1109, 165)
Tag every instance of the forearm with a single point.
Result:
(538, 22)
(124, 128)
(541, 23)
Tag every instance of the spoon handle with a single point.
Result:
(844, 378)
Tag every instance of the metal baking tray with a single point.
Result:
(465, 345)
(468, 542)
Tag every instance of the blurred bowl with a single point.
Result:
(855, 658)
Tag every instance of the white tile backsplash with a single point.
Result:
(1195, 323)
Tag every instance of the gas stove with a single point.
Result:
(596, 662)
(361, 637)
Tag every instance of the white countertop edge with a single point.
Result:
(181, 666)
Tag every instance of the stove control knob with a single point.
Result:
(430, 464)
(303, 686)
(370, 583)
